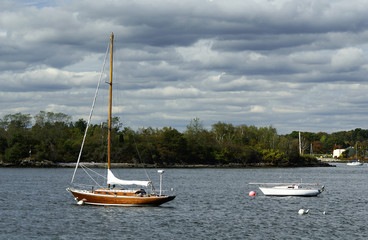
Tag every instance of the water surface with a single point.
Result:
(210, 204)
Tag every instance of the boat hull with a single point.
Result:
(284, 192)
(111, 199)
(354, 164)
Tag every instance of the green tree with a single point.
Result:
(171, 146)
(81, 125)
(200, 144)
(15, 153)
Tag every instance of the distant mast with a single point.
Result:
(300, 144)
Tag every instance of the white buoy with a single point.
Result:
(81, 202)
(302, 211)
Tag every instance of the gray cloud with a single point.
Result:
(295, 65)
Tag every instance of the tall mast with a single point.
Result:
(110, 104)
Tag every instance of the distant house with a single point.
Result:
(337, 153)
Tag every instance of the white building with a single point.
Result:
(337, 152)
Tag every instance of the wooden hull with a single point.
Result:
(118, 198)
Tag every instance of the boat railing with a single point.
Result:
(163, 192)
(285, 184)
(86, 186)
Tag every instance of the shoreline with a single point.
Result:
(49, 164)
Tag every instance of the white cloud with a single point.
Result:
(289, 64)
(257, 109)
(347, 59)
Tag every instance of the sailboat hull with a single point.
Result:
(282, 191)
(116, 198)
(355, 163)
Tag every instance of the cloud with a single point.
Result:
(45, 79)
(347, 59)
(295, 65)
(257, 109)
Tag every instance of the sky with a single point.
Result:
(293, 65)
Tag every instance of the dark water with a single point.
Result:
(210, 204)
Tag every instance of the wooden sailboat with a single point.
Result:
(111, 196)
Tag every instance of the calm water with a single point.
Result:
(210, 204)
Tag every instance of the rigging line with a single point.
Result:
(84, 169)
(98, 174)
(90, 114)
(140, 159)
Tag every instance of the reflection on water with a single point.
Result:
(210, 204)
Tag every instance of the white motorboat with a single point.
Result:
(297, 190)
(355, 163)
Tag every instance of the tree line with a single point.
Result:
(56, 138)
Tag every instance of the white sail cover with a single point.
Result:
(111, 179)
